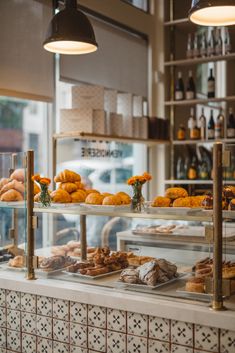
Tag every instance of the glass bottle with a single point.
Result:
(203, 47)
(219, 43)
(211, 127)
(189, 52)
(180, 169)
(211, 85)
(194, 132)
(227, 41)
(231, 124)
(202, 125)
(190, 90)
(219, 126)
(192, 172)
(181, 133)
(179, 88)
(196, 50)
(211, 43)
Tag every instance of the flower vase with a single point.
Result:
(45, 197)
(137, 198)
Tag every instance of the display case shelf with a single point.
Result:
(196, 61)
(201, 142)
(200, 101)
(195, 182)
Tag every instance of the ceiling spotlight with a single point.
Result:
(70, 32)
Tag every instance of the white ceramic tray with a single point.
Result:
(4, 266)
(194, 295)
(124, 208)
(79, 275)
(43, 273)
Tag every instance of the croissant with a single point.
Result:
(69, 187)
(18, 174)
(14, 184)
(60, 196)
(11, 195)
(67, 176)
(79, 185)
(3, 182)
(78, 196)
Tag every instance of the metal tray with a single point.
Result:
(145, 286)
(79, 275)
(43, 273)
(4, 266)
(193, 295)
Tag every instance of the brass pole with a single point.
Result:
(217, 302)
(14, 226)
(83, 239)
(30, 230)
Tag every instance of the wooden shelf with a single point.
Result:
(201, 142)
(200, 101)
(97, 137)
(176, 22)
(200, 60)
(195, 182)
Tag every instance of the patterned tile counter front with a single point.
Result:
(33, 323)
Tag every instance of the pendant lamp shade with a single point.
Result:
(213, 12)
(70, 32)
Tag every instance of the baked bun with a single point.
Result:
(112, 200)
(69, 187)
(13, 184)
(161, 201)
(36, 189)
(228, 271)
(11, 195)
(106, 194)
(92, 191)
(67, 176)
(18, 262)
(60, 196)
(94, 199)
(3, 182)
(78, 196)
(79, 185)
(182, 202)
(196, 201)
(207, 202)
(175, 193)
(229, 192)
(18, 175)
(231, 206)
(195, 284)
(125, 198)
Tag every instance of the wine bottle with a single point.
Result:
(231, 124)
(179, 88)
(192, 172)
(186, 167)
(220, 124)
(211, 43)
(211, 85)
(189, 53)
(211, 127)
(203, 171)
(218, 128)
(219, 43)
(203, 47)
(194, 132)
(196, 49)
(202, 125)
(190, 90)
(227, 41)
(180, 169)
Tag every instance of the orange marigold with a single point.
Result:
(45, 181)
(147, 176)
(36, 177)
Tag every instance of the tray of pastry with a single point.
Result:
(193, 295)
(98, 276)
(54, 264)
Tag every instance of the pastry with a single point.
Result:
(231, 206)
(79, 185)
(196, 201)
(3, 182)
(92, 191)
(207, 203)
(60, 196)
(149, 273)
(161, 201)
(106, 194)
(69, 187)
(182, 202)
(169, 269)
(130, 275)
(36, 189)
(67, 176)
(56, 263)
(175, 193)
(112, 200)
(229, 192)
(78, 196)
(135, 260)
(19, 175)
(195, 284)
(13, 184)
(125, 198)
(228, 271)
(94, 199)
(204, 272)
(79, 266)
(72, 244)
(18, 262)
(11, 195)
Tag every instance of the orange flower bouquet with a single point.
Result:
(44, 197)
(137, 183)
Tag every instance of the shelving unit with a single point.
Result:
(196, 61)
(200, 101)
(180, 21)
(195, 182)
(201, 142)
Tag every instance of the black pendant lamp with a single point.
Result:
(212, 12)
(70, 32)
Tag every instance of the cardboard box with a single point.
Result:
(143, 127)
(136, 127)
(138, 106)
(116, 124)
(98, 121)
(88, 97)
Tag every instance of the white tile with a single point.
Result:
(2, 316)
(116, 342)
(3, 350)
(78, 313)
(74, 349)
(44, 326)
(29, 343)
(182, 333)
(59, 347)
(13, 299)
(227, 341)
(28, 302)
(44, 345)
(158, 346)
(2, 297)
(44, 306)
(159, 328)
(206, 338)
(180, 349)
(96, 339)
(61, 331)
(136, 344)
(14, 340)
(3, 337)
(61, 309)
(137, 324)
(28, 322)
(78, 335)
(97, 316)
(13, 320)
(116, 320)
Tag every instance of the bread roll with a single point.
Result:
(182, 202)
(11, 195)
(161, 201)
(3, 182)
(175, 193)
(69, 187)
(13, 184)
(60, 196)
(78, 196)
(67, 176)
(112, 200)
(92, 191)
(195, 285)
(19, 175)
(94, 199)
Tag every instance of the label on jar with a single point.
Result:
(230, 132)
(211, 86)
(194, 134)
(211, 134)
(181, 135)
(189, 95)
(192, 174)
(179, 95)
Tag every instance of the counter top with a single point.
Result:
(144, 303)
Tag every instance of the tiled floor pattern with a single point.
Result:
(37, 324)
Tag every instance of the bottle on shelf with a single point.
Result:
(211, 127)
(211, 85)
(219, 42)
(231, 124)
(189, 52)
(194, 132)
(190, 89)
(219, 125)
(203, 171)
(180, 175)
(203, 46)
(196, 49)
(233, 164)
(192, 171)
(227, 41)
(211, 43)
(181, 133)
(179, 87)
(202, 125)
(186, 167)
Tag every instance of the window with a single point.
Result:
(140, 4)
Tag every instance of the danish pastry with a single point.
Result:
(19, 175)
(175, 193)
(67, 176)
(112, 200)
(69, 187)
(195, 284)
(11, 195)
(60, 196)
(78, 196)
(18, 262)
(94, 199)
(161, 201)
